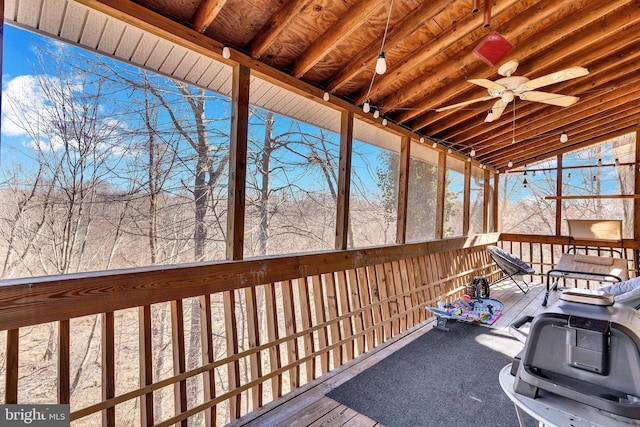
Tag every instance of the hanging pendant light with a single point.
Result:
(381, 64)
(564, 137)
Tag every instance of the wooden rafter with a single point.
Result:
(206, 14)
(356, 17)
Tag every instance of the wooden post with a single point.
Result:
(344, 180)
(64, 358)
(238, 161)
(485, 200)
(636, 203)
(466, 203)
(559, 194)
(496, 201)
(108, 367)
(441, 191)
(146, 362)
(403, 189)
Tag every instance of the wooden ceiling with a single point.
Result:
(332, 45)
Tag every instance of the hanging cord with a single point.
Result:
(384, 38)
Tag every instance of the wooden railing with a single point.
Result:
(214, 341)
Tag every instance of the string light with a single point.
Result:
(434, 145)
(226, 52)
(524, 183)
(376, 114)
(366, 107)
(325, 96)
(422, 140)
(468, 159)
(510, 164)
(473, 152)
(617, 162)
(599, 162)
(381, 64)
(384, 122)
(564, 137)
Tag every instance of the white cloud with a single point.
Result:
(22, 101)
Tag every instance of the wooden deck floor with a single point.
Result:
(308, 405)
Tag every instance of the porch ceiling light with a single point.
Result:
(564, 137)
(381, 64)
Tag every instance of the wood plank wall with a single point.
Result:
(300, 317)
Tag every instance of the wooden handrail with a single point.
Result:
(306, 314)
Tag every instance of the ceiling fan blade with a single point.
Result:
(462, 104)
(557, 77)
(498, 108)
(549, 98)
(487, 84)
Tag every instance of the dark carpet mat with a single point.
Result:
(441, 379)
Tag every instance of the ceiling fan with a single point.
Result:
(509, 86)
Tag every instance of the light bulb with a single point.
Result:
(384, 122)
(510, 164)
(325, 96)
(434, 145)
(366, 107)
(473, 152)
(422, 139)
(468, 159)
(381, 64)
(599, 162)
(524, 183)
(449, 151)
(226, 52)
(617, 162)
(564, 137)
(376, 114)
(489, 118)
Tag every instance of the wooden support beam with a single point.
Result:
(206, 13)
(344, 180)
(403, 189)
(108, 367)
(64, 360)
(367, 56)
(146, 363)
(496, 202)
(354, 19)
(179, 358)
(441, 192)
(486, 196)
(636, 203)
(238, 161)
(466, 203)
(558, 221)
(276, 24)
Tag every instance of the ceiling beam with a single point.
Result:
(562, 55)
(467, 28)
(537, 116)
(357, 16)
(522, 31)
(275, 25)
(206, 13)
(397, 33)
